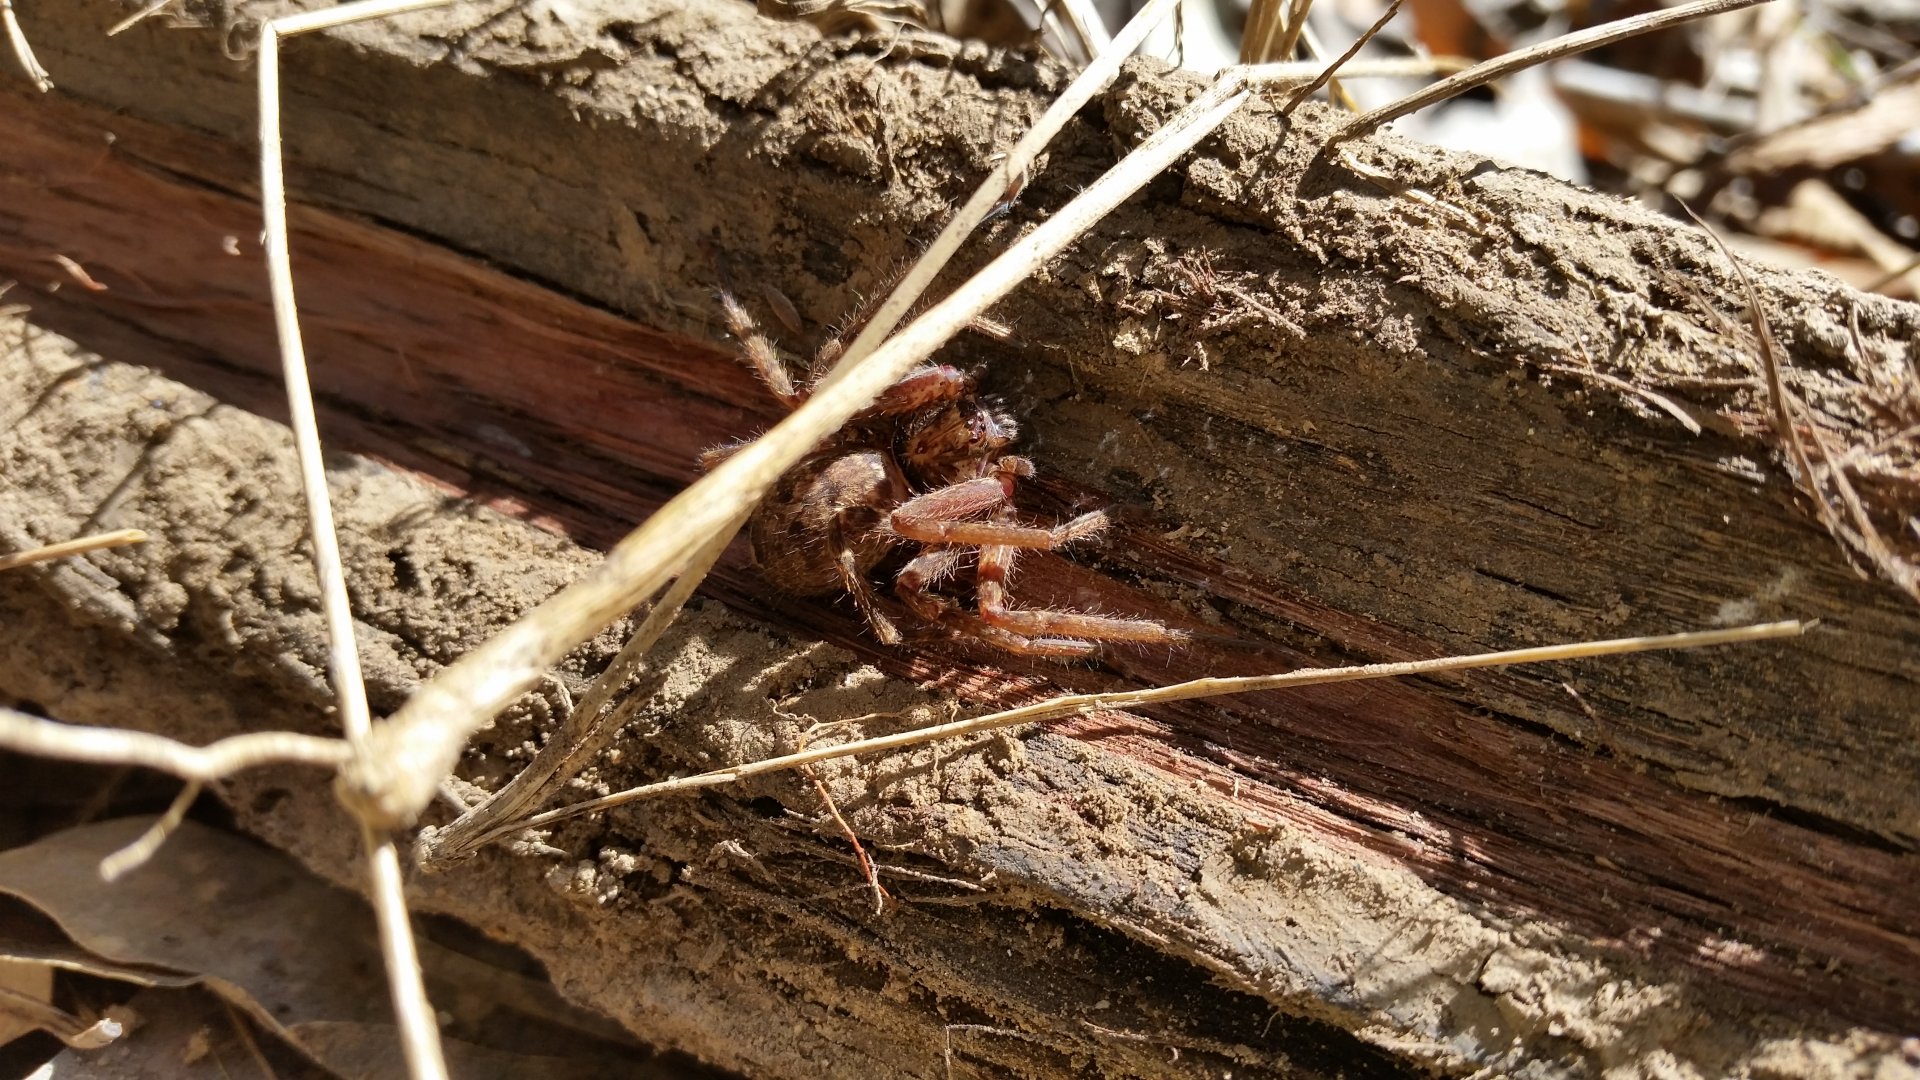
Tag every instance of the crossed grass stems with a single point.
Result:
(387, 773)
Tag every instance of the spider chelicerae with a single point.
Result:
(920, 472)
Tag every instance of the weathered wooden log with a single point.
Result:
(1338, 422)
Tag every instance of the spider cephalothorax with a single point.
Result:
(952, 442)
(921, 471)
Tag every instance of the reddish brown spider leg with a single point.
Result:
(915, 581)
(914, 586)
(938, 517)
(1020, 644)
(859, 587)
(929, 527)
(996, 566)
(931, 384)
(968, 498)
(714, 456)
(760, 352)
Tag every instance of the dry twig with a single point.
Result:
(74, 1031)
(419, 1030)
(1082, 704)
(34, 735)
(152, 8)
(1290, 35)
(80, 546)
(1379, 24)
(23, 52)
(586, 728)
(1862, 537)
(134, 855)
(853, 838)
(1566, 45)
(1002, 185)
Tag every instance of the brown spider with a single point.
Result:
(919, 467)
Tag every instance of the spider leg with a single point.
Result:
(929, 526)
(915, 581)
(869, 306)
(759, 352)
(920, 517)
(1020, 644)
(938, 517)
(858, 586)
(1041, 625)
(929, 384)
(715, 455)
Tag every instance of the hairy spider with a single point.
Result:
(920, 470)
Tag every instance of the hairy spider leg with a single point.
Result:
(915, 583)
(1047, 627)
(713, 456)
(930, 518)
(1020, 644)
(856, 583)
(929, 384)
(916, 580)
(760, 353)
(939, 516)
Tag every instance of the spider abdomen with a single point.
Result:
(843, 495)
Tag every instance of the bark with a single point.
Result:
(1341, 422)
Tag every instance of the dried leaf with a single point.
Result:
(29, 979)
(183, 1035)
(297, 955)
(1834, 138)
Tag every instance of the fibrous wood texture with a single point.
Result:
(1343, 422)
